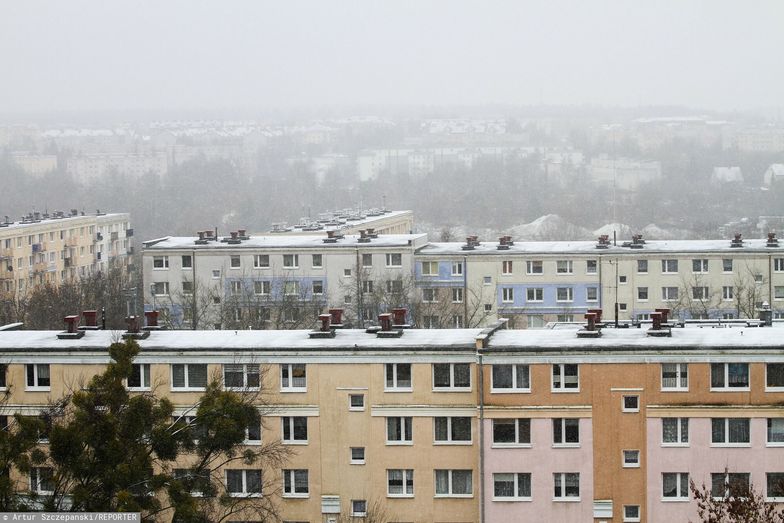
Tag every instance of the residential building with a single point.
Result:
(471, 425)
(624, 174)
(350, 221)
(53, 248)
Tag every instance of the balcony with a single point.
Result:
(73, 241)
(41, 267)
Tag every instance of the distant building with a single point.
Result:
(773, 175)
(93, 165)
(625, 174)
(727, 175)
(761, 140)
(35, 164)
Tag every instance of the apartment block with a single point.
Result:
(464, 425)
(53, 248)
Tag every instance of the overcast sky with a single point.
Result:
(123, 55)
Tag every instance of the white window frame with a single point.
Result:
(144, 376)
(261, 261)
(236, 287)
(457, 268)
(407, 487)
(516, 443)
(358, 508)
(235, 258)
(703, 265)
(507, 267)
(36, 480)
(537, 291)
(427, 268)
(769, 443)
(160, 263)
(778, 264)
(728, 293)
(773, 388)
(588, 291)
(667, 294)
(165, 288)
(534, 267)
(724, 265)
(395, 387)
(630, 458)
(356, 408)
(247, 372)
(452, 387)
(186, 374)
(288, 368)
(627, 518)
(564, 267)
(507, 295)
(563, 443)
(244, 475)
(288, 422)
(667, 266)
(313, 258)
(320, 288)
(562, 496)
(700, 292)
(450, 480)
(681, 486)
(406, 430)
(36, 387)
(773, 499)
(569, 294)
(290, 477)
(559, 371)
(681, 373)
(680, 423)
(449, 423)
(293, 261)
(357, 461)
(262, 287)
(642, 266)
(727, 442)
(516, 477)
(588, 266)
(457, 295)
(389, 260)
(726, 387)
(626, 409)
(516, 368)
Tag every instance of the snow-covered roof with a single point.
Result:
(286, 242)
(63, 220)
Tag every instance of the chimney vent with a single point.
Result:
(598, 313)
(331, 237)
(659, 327)
(326, 330)
(399, 318)
(371, 232)
(241, 233)
(590, 330)
(134, 331)
(364, 237)
(737, 241)
(603, 241)
(337, 318)
(91, 320)
(386, 331)
(502, 243)
(71, 331)
(772, 240)
(152, 320)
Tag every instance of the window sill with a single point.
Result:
(251, 442)
(453, 443)
(564, 391)
(627, 466)
(38, 389)
(242, 495)
(188, 389)
(566, 445)
(296, 496)
(447, 496)
(630, 411)
(730, 445)
(356, 409)
(675, 389)
(452, 389)
(731, 389)
(400, 496)
(675, 445)
(511, 500)
(240, 389)
(775, 444)
(294, 442)
(566, 500)
(294, 389)
(410, 389)
(133, 389)
(511, 446)
(399, 443)
(510, 391)
(357, 462)
(674, 500)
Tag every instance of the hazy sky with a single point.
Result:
(121, 55)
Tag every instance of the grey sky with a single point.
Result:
(120, 55)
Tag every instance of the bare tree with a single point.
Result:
(738, 504)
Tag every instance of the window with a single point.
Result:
(452, 429)
(400, 482)
(318, 287)
(216, 274)
(631, 459)
(566, 432)
(358, 507)
(160, 262)
(507, 295)
(234, 262)
(563, 267)
(487, 280)
(293, 377)
(675, 431)
(778, 292)
(758, 278)
(534, 267)
(243, 482)
(457, 268)
(356, 402)
(195, 482)
(774, 376)
(429, 268)
(566, 376)
(511, 378)
(726, 265)
(160, 288)
(511, 432)
(590, 266)
(241, 376)
(236, 288)
(730, 484)
(727, 293)
(642, 293)
(729, 376)
(262, 287)
(357, 456)
(675, 485)
(512, 486)
(3, 372)
(189, 376)
(699, 266)
(316, 261)
(775, 484)
(429, 295)
(291, 288)
(631, 513)
(295, 483)
(534, 294)
(395, 286)
(37, 376)
(591, 294)
(630, 403)
(730, 431)
(394, 259)
(700, 293)
(622, 280)
(187, 288)
(457, 295)
(565, 318)
(295, 429)
(399, 430)
(347, 273)
(187, 262)
(669, 293)
(642, 266)
(778, 264)
(775, 432)
(675, 376)
(567, 486)
(290, 261)
(140, 376)
(41, 480)
(506, 267)
(453, 483)
(253, 433)
(367, 286)
(564, 294)
(398, 376)
(669, 266)
(451, 376)
(261, 261)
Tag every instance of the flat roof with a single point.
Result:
(589, 247)
(281, 241)
(342, 220)
(15, 226)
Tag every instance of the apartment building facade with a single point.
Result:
(44, 248)
(464, 425)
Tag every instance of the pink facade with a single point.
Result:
(701, 458)
(541, 460)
